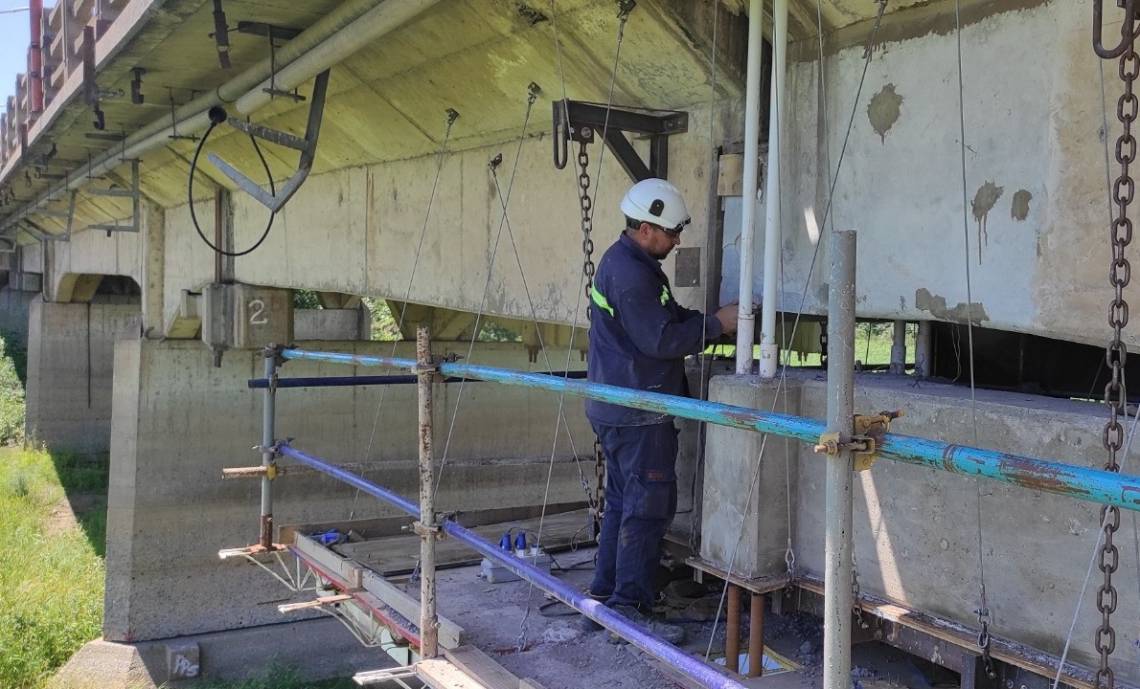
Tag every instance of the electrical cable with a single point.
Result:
(217, 116)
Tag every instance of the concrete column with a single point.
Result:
(153, 271)
(923, 350)
(178, 421)
(70, 356)
(898, 349)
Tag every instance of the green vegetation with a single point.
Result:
(51, 572)
(13, 370)
(872, 347)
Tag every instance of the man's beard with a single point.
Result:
(661, 256)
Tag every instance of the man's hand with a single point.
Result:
(727, 317)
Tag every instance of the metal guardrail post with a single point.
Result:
(426, 527)
(268, 452)
(840, 411)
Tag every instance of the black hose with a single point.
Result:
(217, 116)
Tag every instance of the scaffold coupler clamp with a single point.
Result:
(865, 441)
(423, 530)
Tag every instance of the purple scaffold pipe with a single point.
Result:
(688, 665)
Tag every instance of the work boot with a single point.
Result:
(587, 624)
(672, 633)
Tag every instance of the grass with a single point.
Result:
(51, 580)
(13, 370)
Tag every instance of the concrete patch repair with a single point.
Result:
(984, 200)
(959, 313)
(1019, 209)
(883, 110)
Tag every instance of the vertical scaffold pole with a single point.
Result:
(268, 454)
(426, 528)
(840, 412)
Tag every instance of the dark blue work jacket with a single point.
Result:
(639, 334)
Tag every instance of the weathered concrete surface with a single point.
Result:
(356, 230)
(916, 534)
(178, 421)
(228, 656)
(331, 324)
(14, 309)
(70, 365)
(745, 518)
(1033, 130)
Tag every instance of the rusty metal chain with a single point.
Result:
(984, 636)
(1115, 391)
(587, 206)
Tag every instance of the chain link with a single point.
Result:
(587, 206)
(1115, 391)
(984, 637)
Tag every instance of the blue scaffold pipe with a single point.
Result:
(692, 667)
(1083, 483)
(359, 381)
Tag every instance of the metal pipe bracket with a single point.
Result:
(865, 441)
(423, 530)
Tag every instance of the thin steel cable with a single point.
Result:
(482, 302)
(803, 301)
(983, 610)
(407, 295)
(593, 204)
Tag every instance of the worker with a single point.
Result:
(639, 337)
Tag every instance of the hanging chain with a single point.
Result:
(587, 220)
(984, 635)
(1115, 392)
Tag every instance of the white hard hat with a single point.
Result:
(656, 202)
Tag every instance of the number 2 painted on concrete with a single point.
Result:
(257, 312)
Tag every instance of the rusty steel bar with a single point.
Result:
(426, 527)
(1082, 483)
(756, 636)
(732, 629)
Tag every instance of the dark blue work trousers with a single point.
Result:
(641, 498)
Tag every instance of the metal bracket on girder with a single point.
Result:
(585, 119)
(132, 194)
(68, 217)
(307, 146)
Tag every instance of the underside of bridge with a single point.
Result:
(186, 182)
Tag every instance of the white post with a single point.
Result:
(746, 320)
(769, 350)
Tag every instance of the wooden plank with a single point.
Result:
(450, 633)
(757, 585)
(347, 570)
(1012, 652)
(395, 526)
(356, 578)
(398, 554)
(439, 673)
(482, 667)
(308, 605)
